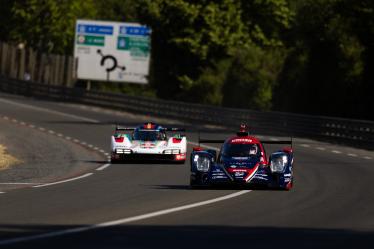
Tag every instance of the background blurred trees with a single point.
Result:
(47, 25)
(307, 56)
(198, 46)
(329, 65)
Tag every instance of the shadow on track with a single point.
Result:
(215, 187)
(191, 236)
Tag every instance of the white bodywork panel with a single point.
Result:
(145, 147)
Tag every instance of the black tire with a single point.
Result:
(197, 184)
(193, 184)
(114, 161)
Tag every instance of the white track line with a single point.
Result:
(2, 192)
(336, 152)
(111, 223)
(49, 111)
(321, 148)
(305, 145)
(123, 221)
(103, 167)
(367, 158)
(68, 180)
(352, 155)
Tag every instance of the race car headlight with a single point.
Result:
(202, 163)
(278, 163)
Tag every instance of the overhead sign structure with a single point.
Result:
(112, 51)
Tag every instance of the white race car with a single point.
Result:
(148, 141)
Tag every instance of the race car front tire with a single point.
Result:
(198, 181)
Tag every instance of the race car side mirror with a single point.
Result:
(287, 150)
(197, 149)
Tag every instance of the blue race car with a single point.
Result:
(242, 161)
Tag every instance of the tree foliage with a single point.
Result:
(193, 39)
(326, 70)
(308, 56)
(47, 25)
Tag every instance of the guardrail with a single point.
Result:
(352, 132)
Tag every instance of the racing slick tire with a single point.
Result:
(114, 160)
(196, 183)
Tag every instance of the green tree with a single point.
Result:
(117, 10)
(48, 25)
(251, 78)
(5, 17)
(323, 69)
(360, 17)
(191, 40)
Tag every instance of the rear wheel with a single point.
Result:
(113, 159)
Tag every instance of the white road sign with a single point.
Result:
(112, 51)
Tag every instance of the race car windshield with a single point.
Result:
(241, 150)
(146, 135)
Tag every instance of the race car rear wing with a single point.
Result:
(173, 129)
(277, 142)
(122, 128)
(220, 141)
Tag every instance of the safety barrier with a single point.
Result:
(353, 132)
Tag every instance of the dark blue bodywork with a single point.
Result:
(243, 171)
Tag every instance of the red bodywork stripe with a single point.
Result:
(250, 172)
(176, 140)
(119, 139)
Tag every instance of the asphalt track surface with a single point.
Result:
(152, 206)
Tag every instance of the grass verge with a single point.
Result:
(7, 160)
